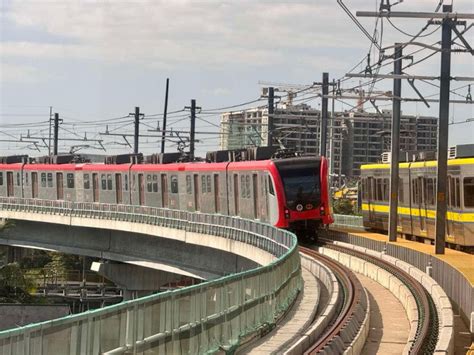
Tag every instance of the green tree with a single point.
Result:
(14, 285)
(343, 206)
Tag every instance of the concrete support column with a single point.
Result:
(135, 281)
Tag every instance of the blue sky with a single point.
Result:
(96, 60)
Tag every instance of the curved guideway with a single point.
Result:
(389, 326)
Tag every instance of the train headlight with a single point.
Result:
(309, 206)
(299, 207)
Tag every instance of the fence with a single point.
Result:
(208, 317)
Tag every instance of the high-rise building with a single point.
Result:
(357, 137)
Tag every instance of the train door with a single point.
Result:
(34, 184)
(59, 186)
(256, 200)
(217, 200)
(236, 194)
(164, 190)
(197, 207)
(10, 187)
(95, 187)
(141, 189)
(118, 188)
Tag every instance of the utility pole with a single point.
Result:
(449, 21)
(443, 122)
(271, 99)
(56, 132)
(395, 144)
(163, 136)
(50, 119)
(136, 134)
(331, 135)
(192, 131)
(324, 114)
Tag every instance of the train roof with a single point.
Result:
(419, 164)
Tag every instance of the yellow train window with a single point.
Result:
(469, 192)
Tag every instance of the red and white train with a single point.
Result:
(290, 193)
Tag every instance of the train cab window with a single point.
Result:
(18, 182)
(126, 182)
(70, 180)
(43, 179)
(174, 184)
(270, 186)
(155, 183)
(109, 182)
(1, 178)
(87, 182)
(103, 182)
(203, 184)
(189, 189)
(469, 192)
(50, 179)
(149, 187)
(209, 188)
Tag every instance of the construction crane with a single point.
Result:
(291, 89)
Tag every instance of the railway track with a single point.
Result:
(350, 312)
(426, 336)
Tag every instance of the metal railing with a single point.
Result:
(347, 221)
(208, 317)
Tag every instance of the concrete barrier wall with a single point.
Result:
(383, 277)
(326, 314)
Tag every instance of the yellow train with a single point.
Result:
(417, 199)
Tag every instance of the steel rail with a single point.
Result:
(427, 329)
(353, 293)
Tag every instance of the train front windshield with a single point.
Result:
(302, 186)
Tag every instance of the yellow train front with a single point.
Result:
(417, 198)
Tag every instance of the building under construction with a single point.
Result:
(354, 138)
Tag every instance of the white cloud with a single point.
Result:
(19, 73)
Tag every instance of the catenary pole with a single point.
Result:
(395, 145)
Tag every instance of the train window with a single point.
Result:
(70, 181)
(109, 182)
(26, 179)
(87, 182)
(50, 179)
(18, 182)
(126, 182)
(209, 188)
(149, 186)
(415, 191)
(469, 192)
(174, 184)
(242, 186)
(401, 196)
(270, 186)
(203, 184)
(386, 189)
(189, 189)
(43, 179)
(247, 186)
(103, 182)
(378, 191)
(1, 178)
(429, 191)
(155, 183)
